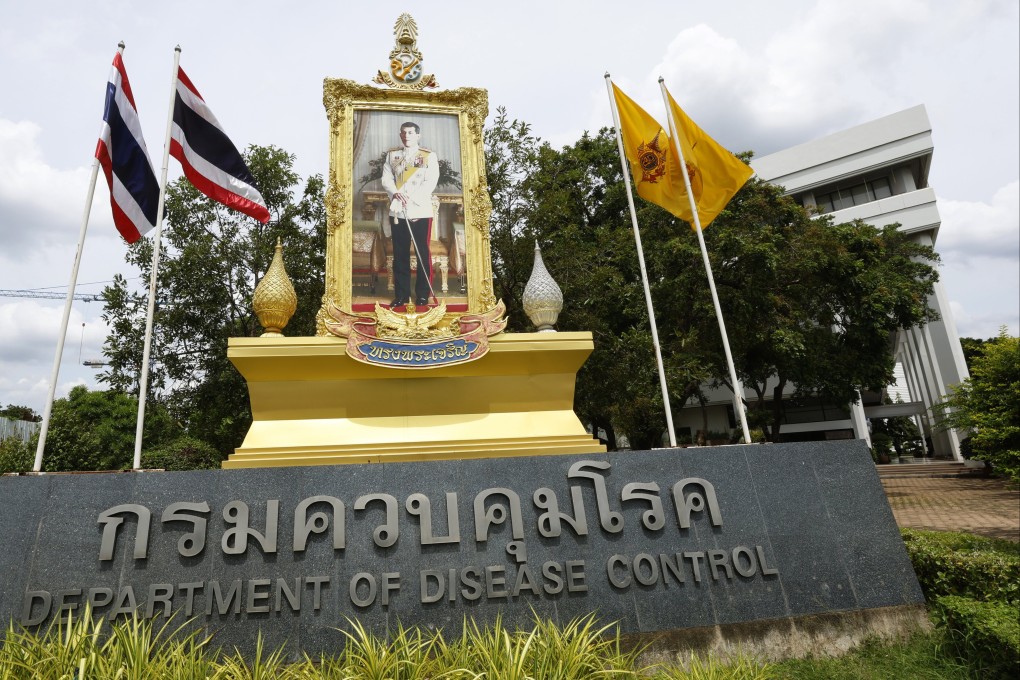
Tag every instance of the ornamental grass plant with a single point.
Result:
(81, 648)
(84, 647)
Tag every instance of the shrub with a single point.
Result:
(988, 403)
(95, 430)
(988, 633)
(16, 455)
(881, 446)
(183, 453)
(86, 647)
(950, 563)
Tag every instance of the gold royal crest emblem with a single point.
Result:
(652, 159)
(405, 59)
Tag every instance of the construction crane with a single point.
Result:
(49, 295)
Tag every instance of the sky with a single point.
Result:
(757, 76)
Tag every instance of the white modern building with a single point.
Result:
(877, 172)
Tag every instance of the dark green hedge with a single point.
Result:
(988, 633)
(950, 563)
(183, 453)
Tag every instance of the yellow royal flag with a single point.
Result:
(715, 173)
(652, 160)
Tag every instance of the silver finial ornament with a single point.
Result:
(543, 299)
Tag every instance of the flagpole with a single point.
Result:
(143, 381)
(641, 262)
(48, 411)
(738, 388)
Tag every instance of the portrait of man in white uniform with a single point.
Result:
(410, 176)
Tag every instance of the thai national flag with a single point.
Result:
(211, 161)
(134, 191)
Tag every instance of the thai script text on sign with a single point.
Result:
(565, 521)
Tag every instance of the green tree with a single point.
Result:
(988, 403)
(18, 412)
(576, 206)
(808, 303)
(213, 259)
(95, 430)
(17, 455)
(972, 349)
(903, 434)
(511, 155)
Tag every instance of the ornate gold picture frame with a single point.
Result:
(358, 252)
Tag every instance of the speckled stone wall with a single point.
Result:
(772, 532)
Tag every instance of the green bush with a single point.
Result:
(988, 633)
(95, 430)
(988, 404)
(952, 563)
(882, 443)
(183, 453)
(16, 455)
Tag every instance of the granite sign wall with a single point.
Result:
(658, 541)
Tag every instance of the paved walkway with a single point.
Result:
(989, 507)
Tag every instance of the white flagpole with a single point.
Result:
(641, 262)
(738, 388)
(48, 411)
(143, 381)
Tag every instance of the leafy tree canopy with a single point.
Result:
(988, 403)
(213, 259)
(807, 302)
(95, 430)
(973, 348)
(18, 412)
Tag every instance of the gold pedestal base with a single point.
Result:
(314, 405)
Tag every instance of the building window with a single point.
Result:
(813, 410)
(857, 194)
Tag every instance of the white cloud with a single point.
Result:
(977, 229)
(980, 247)
(837, 65)
(38, 203)
(974, 320)
(28, 339)
(29, 330)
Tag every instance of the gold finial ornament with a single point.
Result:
(275, 301)
(405, 70)
(543, 299)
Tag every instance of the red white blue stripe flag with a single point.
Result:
(211, 161)
(134, 191)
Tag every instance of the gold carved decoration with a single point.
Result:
(480, 219)
(275, 301)
(405, 70)
(341, 98)
(411, 325)
(336, 202)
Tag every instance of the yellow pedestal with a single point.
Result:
(314, 405)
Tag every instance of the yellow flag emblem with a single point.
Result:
(715, 174)
(652, 158)
(650, 154)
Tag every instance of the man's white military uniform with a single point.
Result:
(410, 176)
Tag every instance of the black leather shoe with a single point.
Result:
(397, 303)
(421, 302)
